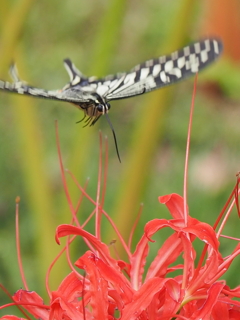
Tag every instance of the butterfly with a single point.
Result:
(93, 95)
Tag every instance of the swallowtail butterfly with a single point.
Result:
(93, 95)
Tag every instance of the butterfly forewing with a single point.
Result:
(156, 73)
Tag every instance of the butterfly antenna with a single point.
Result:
(114, 136)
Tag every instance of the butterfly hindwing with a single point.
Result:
(21, 87)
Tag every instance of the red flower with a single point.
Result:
(114, 289)
(111, 284)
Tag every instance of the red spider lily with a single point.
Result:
(114, 289)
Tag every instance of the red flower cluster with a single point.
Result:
(114, 289)
(111, 284)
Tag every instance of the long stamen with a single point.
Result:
(114, 135)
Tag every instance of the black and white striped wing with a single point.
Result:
(145, 77)
(160, 72)
(21, 87)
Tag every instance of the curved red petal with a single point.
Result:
(174, 203)
(10, 317)
(98, 286)
(33, 303)
(66, 230)
(212, 298)
(118, 281)
(138, 261)
(167, 254)
(203, 231)
(70, 287)
(143, 298)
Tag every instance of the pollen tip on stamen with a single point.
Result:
(17, 200)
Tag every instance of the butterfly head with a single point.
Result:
(97, 107)
(101, 105)
(102, 108)
(94, 108)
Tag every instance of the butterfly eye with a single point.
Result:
(100, 108)
(108, 106)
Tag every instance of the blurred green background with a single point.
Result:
(103, 37)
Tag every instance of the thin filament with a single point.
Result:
(114, 136)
